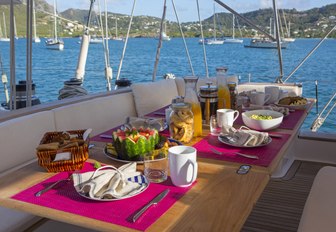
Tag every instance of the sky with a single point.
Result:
(187, 9)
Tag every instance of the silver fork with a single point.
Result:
(236, 153)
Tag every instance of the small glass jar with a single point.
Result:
(181, 126)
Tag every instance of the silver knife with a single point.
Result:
(105, 136)
(156, 200)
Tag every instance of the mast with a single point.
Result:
(116, 26)
(233, 26)
(55, 21)
(15, 32)
(34, 20)
(4, 21)
(214, 21)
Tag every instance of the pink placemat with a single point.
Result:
(65, 198)
(266, 153)
(289, 122)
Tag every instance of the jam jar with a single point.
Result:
(181, 126)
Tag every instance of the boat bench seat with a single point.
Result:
(150, 96)
(100, 114)
(293, 90)
(318, 213)
(19, 137)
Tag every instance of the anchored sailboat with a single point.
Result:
(116, 37)
(214, 40)
(55, 43)
(36, 39)
(4, 37)
(233, 39)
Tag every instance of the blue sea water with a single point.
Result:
(52, 68)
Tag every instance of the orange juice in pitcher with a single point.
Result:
(224, 101)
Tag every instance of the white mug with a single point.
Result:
(226, 116)
(182, 165)
(283, 93)
(259, 98)
(274, 92)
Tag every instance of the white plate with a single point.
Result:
(115, 158)
(146, 184)
(295, 107)
(230, 141)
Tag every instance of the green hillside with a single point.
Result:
(311, 23)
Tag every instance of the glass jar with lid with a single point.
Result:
(181, 126)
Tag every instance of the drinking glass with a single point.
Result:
(214, 129)
(156, 167)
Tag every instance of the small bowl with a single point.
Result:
(267, 124)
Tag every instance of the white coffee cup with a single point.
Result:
(283, 93)
(274, 92)
(226, 116)
(182, 165)
(259, 98)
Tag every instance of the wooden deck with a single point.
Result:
(280, 206)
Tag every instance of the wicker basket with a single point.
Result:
(78, 154)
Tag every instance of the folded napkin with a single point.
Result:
(283, 110)
(156, 123)
(245, 136)
(110, 183)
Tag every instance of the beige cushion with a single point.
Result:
(201, 82)
(149, 96)
(100, 114)
(319, 211)
(20, 136)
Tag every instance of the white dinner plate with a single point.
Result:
(231, 142)
(115, 158)
(295, 107)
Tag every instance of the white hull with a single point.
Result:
(232, 41)
(55, 45)
(4, 39)
(96, 41)
(36, 40)
(211, 41)
(261, 43)
(288, 40)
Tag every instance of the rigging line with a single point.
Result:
(126, 41)
(310, 53)
(245, 19)
(203, 44)
(160, 41)
(100, 25)
(184, 41)
(277, 33)
(108, 69)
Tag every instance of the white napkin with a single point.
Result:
(245, 136)
(156, 123)
(109, 183)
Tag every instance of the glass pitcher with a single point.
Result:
(191, 97)
(224, 101)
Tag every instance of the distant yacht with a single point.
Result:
(233, 39)
(96, 40)
(4, 37)
(214, 40)
(265, 43)
(36, 39)
(55, 43)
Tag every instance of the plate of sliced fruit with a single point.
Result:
(130, 145)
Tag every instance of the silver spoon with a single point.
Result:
(236, 153)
